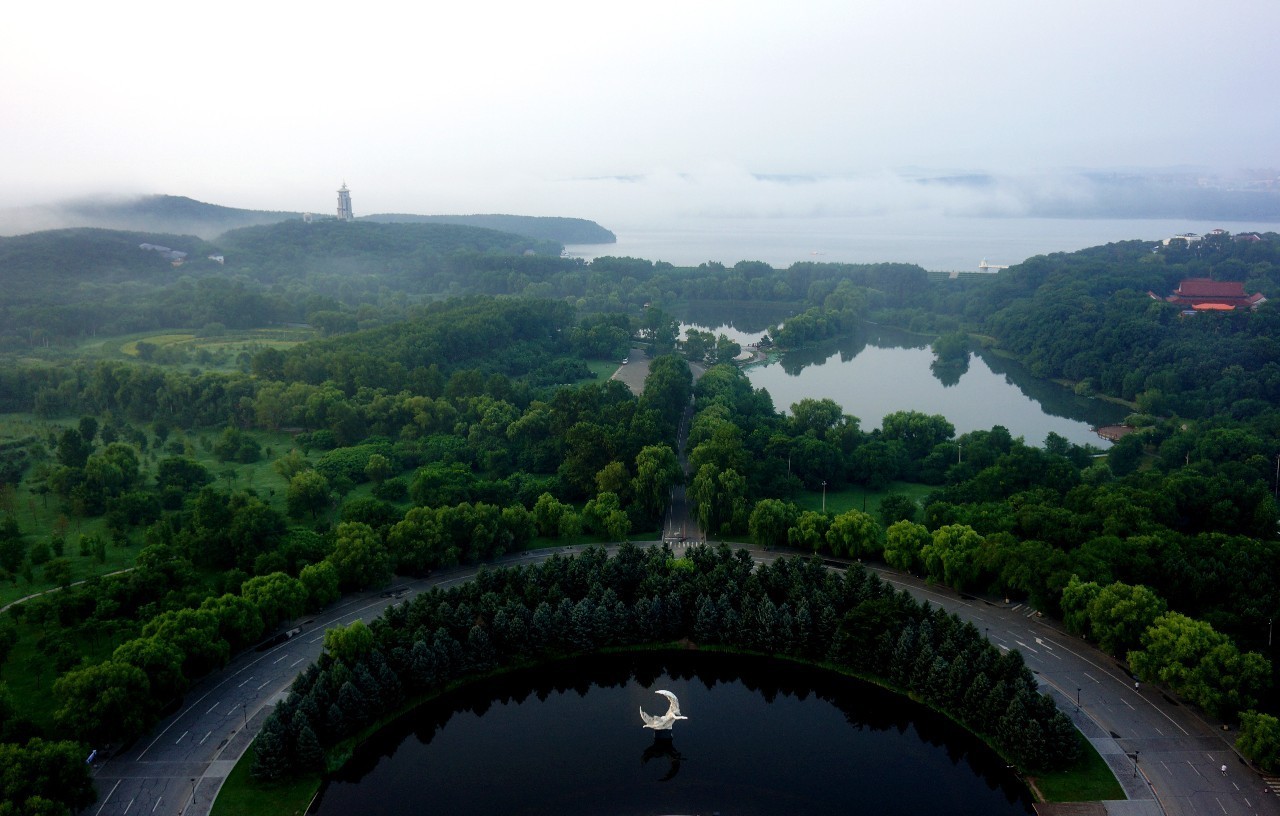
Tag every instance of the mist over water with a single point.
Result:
(934, 241)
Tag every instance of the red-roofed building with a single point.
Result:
(1205, 294)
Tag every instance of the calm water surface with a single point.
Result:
(932, 240)
(762, 737)
(880, 370)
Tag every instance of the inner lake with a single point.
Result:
(762, 737)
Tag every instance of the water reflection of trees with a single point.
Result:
(864, 706)
(949, 372)
(745, 316)
(1053, 398)
(850, 346)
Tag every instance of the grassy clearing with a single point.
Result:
(1091, 780)
(242, 795)
(602, 369)
(860, 498)
(43, 517)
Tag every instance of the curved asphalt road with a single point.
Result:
(1166, 756)
(180, 767)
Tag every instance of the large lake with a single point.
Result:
(933, 240)
(880, 370)
(763, 738)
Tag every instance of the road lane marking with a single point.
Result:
(126, 807)
(212, 707)
(278, 659)
(296, 662)
(1091, 677)
(1126, 702)
(250, 677)
(179, 739)
(206, 736)
(260, 687)
(1219, 801)
(108, 799)
(317, 637)
(1194, 768)
(157, 804)
(1025, 646)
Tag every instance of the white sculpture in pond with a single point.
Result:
(663, 723)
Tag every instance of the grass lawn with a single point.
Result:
(1091, 780)
(242, 795)
(43, 516)
(855, 497)
(603, 369)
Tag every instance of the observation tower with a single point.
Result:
(344, 204)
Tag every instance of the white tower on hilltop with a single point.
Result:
(344, 204)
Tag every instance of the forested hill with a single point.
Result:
(560, 230)
(66, 283)
(182, 215)
(1087, 317)
(40, 266)
(151, 213)
(298, 240)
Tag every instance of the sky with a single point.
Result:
(609, 110)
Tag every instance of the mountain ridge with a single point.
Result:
(181, 215)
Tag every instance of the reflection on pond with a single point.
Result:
(764, 737)
(663, 747)
(879, 371)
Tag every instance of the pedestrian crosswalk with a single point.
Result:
(1272, 782)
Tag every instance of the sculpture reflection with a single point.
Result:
(663, 747)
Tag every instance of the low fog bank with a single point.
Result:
(663, 198)
(730, 193)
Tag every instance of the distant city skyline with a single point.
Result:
(673, 109)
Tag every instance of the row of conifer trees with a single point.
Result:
(795, 608)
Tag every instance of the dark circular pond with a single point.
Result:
(763, 737)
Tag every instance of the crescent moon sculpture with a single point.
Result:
(663, 722)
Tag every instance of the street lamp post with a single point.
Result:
(824, 496)
(1077, 698)
(245, 710)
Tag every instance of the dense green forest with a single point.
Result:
(444, 405)
(714, 596)
(542, 228)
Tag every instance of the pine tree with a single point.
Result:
(308, 755)
(271, 759)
